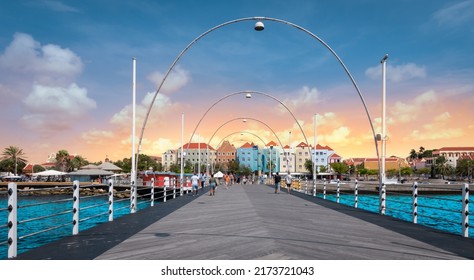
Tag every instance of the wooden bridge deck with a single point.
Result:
(250, 222)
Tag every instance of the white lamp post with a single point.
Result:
(383, 138)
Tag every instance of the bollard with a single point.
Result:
(382, 201)
(356, 195)
(75, 207)
(305, 186)
(111, 200)
(132, 196)
(174, 188)
(314, 187)
(415, 203)
(12, 220)
(338, 191)
(324, 188)
(152, 192)
(165, 186)
(465, 210)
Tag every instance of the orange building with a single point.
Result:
(226, 153)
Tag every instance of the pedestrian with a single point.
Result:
(288, 181)
(227, 181)
(277, 183)
(202, 178)
(195, 183)
(212, 185)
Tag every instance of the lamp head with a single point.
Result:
(259, 26)
(248, 95)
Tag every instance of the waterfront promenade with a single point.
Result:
(250, 222)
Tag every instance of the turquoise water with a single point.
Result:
(399, 206)
(442, 212)
(101, 210)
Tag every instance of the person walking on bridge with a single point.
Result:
(195, 183)
(277, 183)
(288, 181)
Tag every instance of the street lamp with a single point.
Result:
(382, 176)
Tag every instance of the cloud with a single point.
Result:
(455, 15)
(162, 145)
(161, 105)
(397, 73)
(304, 97)
(176, 80)
(49, 64)
(95, 136)
(55, 108)
(71, 101)
(439, 129)
(406, 112)
(433, 133)
(339, 135)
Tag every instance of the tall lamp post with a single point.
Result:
(383, 139)
(133, 173)
(314, 158)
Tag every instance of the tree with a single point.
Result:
(340, 167)
(78, 161)
(308, 165)
(63, 161)
(234, 166)
(413, 154)
(14, 155)
(420, 152)
(465, 167)
(441, 166)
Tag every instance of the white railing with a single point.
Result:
(396, 199)
(147, 195)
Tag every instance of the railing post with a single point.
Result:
(174, 187)
(133, 185)
(12, 220)
(75, 208)
(111, 200)
(324, 188)
(314, 187)
(165, 186)
(415, 202)
(356, 194)
(152, 192)
(338, 191)
(383, 197)
(465, 210)
(305, 185)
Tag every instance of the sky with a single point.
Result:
(66, 74)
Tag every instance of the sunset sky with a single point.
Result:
(66, 74)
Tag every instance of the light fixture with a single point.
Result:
(248, 95)
(259, 26)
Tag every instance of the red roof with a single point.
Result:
(271, 143)
(195, 146)
(302, 145)
(457, 149)
(247, 145)
(335, 156)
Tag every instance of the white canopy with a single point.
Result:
(219, 175)
(49, 173)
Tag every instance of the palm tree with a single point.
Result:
(14, 154)
(442, 166)
(63, 161)
(413, 154)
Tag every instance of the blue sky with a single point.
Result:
(65, 72)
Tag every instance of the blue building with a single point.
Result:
(249, 155)
(271, 153)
